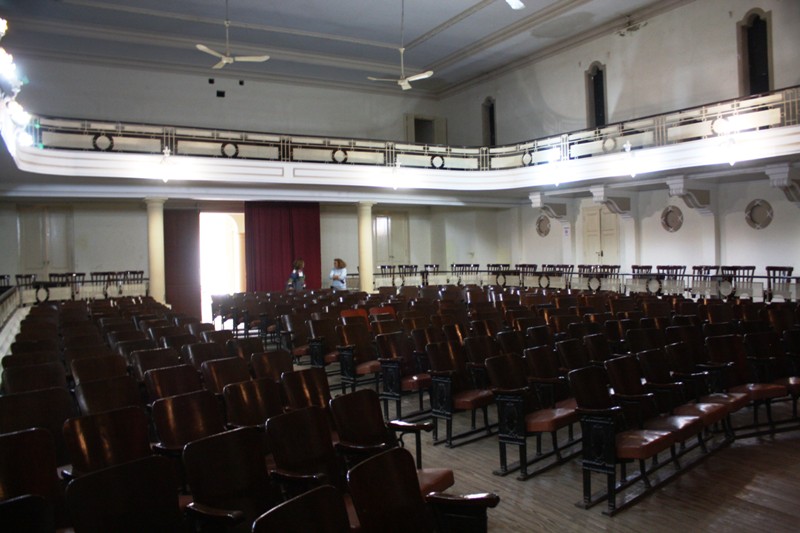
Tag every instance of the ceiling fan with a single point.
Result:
(227, 58)
(404, 81)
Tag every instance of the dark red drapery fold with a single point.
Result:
(277, 233)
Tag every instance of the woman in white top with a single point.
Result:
(339, 274)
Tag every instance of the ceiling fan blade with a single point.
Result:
(393, 80)
(251, 59)
(206, 49)
(421, 76)
(220, 64)
(404, 84)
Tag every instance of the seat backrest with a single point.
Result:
(171, 380)
(385, 493)
(305, 388)
(28, 466)
(197, 353)
(641, 339)
(300, 442)
(106, 438)
(221, 336)
(271, 364)
(125, 348)
(323, 331)
(183, 418)
(358, 336)
(321, 510)
(227, 471)
(220, 372)
(251, 403)
(106, 394)
(539, 335)
(424, 336)
(27, 378)
(130, 497)
(625, 375)
(397, 345)
(589, 386)
(244, 348)
(156, 332)
(45, 408)
(143, 360)
(572, 353)
(93, 368)
(510, 341)
(177, 341)
(481, 347)
(507, 371)
(31, 358)
(359, 421)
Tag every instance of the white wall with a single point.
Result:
(62, 89)
(9, 259)
(682, 58)
(106, 236)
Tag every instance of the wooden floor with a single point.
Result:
(751, 485)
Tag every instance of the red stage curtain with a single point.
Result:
(277, 233)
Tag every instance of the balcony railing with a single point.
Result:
(720, 119)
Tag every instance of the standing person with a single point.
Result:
(297, 279)
(339, 274)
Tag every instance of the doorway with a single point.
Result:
(600, 236)
(221, 257)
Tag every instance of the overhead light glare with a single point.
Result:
(24, 139)
(19, 116)
(515, 4)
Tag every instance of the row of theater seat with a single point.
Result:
(251, 394)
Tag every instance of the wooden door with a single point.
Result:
(45, 239)
(391, 243)
(600, 236)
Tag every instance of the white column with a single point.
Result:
(365, 262)
(155, 247)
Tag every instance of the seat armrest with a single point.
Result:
(215, 515)
(168, 451)
(482, 499)
(348, 448)
(410, 427)
(457, 512)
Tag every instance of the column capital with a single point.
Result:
(155, 202)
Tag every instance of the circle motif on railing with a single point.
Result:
(544, 281)
(594, 284)
(758, 214)
(527, 159)
(229, 150)
(725, 288)
(103, 142)
(437, 161)
(653, 286)
(339, 156)
(42, 294)
(609, 144)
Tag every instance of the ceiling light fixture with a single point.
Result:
(515, 4)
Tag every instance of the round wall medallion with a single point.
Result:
(339, 156)
(758, 214)
(543, 225)
(671, 218)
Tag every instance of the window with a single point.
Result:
(596, 95)
(754, 53)
(489, 122)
